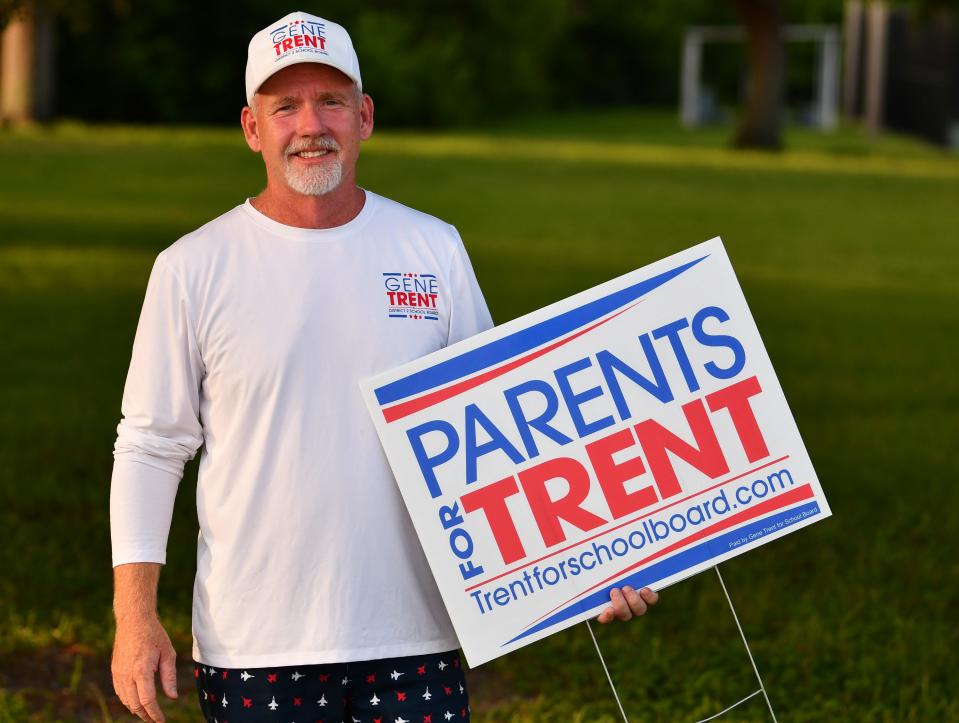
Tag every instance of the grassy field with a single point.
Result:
(848, 252)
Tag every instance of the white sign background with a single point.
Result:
(632, 434)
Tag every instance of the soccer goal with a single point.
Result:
(826, 81)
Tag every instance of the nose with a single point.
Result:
(309, 120)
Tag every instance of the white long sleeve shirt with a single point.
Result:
(251, 342)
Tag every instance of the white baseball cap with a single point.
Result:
(299, 38)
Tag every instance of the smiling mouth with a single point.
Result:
(311, 154)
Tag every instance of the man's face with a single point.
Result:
(308, 122)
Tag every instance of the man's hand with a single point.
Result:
(626, 603)
(140, 649)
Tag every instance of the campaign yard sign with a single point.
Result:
(632, 434)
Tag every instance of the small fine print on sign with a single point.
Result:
(633, 434)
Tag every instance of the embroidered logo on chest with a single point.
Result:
(411, 295)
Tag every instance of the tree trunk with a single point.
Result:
(760, 125)
(26, 66)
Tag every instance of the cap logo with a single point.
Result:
(299, 38)
(298, 34)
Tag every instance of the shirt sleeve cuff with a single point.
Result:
(141, 509)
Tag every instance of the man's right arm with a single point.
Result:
(159, 433)
(141, 647)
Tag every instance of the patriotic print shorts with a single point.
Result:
(414, 689)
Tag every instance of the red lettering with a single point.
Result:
(492, 500)
(656, 440)
(612, 477)
(298, 41)
(735, 400)
(392, 295)
(433, 300)
(310, 40)
(401, 298)
(287, 44)
(322, 43)
(277, 48)
(548, 511)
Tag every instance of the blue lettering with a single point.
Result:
(610, 364)
(428, 464)
(497, 441)
(719, 340)
(573, 401)
(540, 423)
(671, 331)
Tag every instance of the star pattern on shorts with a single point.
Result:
(404, 695)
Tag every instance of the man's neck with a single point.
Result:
(333, 209)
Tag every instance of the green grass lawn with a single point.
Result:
(848, 252)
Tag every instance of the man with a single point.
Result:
(312, 597)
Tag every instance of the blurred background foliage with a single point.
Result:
(427, 63)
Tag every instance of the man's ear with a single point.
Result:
(366, 117)
(250, 129)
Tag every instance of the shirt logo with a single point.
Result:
(411, 295)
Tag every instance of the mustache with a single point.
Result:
(312, 143)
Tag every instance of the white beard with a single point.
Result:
(313, 180)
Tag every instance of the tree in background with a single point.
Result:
(760, 125)
(26, 62)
